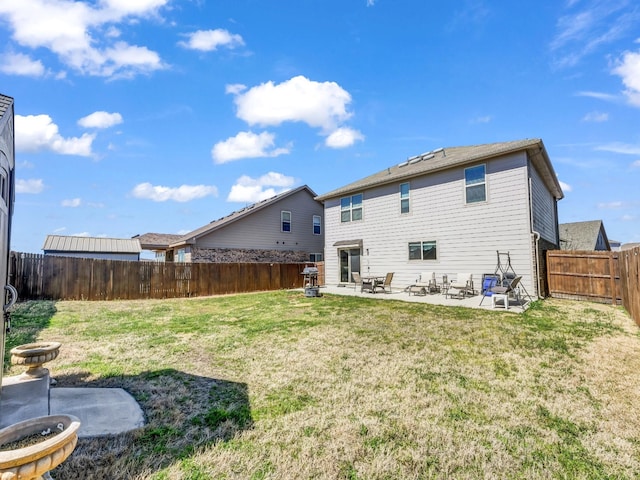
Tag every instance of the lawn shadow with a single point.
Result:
(184, 414)
(27, 320)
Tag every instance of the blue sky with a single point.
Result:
(136, 116)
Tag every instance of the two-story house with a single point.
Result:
(447, 211)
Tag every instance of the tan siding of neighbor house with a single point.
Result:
(262, 229)
(467, 236)
(543, 208)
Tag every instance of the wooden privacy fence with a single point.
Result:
(584, 275)
(68, 278)
(629, 261)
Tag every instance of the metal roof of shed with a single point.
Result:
(62, 243)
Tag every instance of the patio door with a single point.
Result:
(349, 263)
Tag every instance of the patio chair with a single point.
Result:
(462, 286)
(386, 284)
(364, 285)
(503, 293)
(489, 281)
(426, 283)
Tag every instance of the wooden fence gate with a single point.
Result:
(584, 275)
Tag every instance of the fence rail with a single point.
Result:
(67, 278)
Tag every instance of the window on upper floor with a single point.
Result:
(475, 184)
(317, 224)
(285, 218)
(351, 208)
(423, 250)
(315, 257)
(404, 198)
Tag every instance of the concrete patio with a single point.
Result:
(433, 298)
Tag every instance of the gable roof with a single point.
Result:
(62, 243)
(450, 157)
(156, 241)
(237, 215)
(581, 235)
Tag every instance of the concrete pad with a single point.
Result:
(23, 398)
(102, 411)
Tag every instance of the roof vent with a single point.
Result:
(403, 164)
(429, 156)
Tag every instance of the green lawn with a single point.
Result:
(280, 386)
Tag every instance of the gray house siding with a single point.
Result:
(467, 235)
(543, 209)
(263, 230)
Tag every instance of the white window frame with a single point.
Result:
(473, 184)
(421, 245)
(318, 224)
(283, 213)
(348, 211)
(405, 198)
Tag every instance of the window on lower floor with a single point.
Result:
(285, 218)
(181, 255)
(423, 250)
(315, 257)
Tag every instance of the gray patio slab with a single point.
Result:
(102, 411)
(475, 301)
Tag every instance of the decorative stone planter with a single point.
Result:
(34, 461)
(34, 355)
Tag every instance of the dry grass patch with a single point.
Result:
(277, 385)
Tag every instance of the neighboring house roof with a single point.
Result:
(629, 246)
(157, 241)
(581, 235)
(237, 215)
(450, 157)
(62, 243)
(5, 103)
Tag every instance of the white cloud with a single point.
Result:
(35, 133)
(234, 88)
(343, 137)
(183, 193)
(565, 186)
(33, 185)
(20, 64)
(598, 95)
(595, 117)
(619, 147)
(209, 40)
(73, 202)
(251, 190)
(100, 120)
(580, 33)
(636, 164)
(484, 119)
(246, 145)
(628, 218)
(81, 34)
(628, 68)
(610, 205)
(318, 104)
